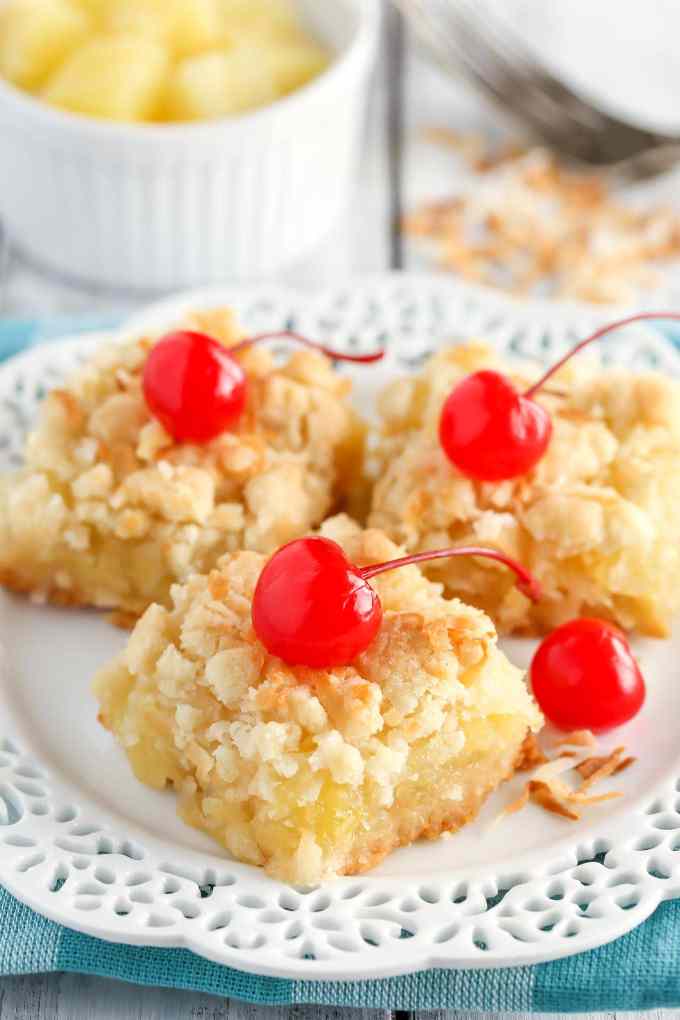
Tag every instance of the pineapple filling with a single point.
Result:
(314, 773)
(109, 511)
(157, 60)
(595, 521)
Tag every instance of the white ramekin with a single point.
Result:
(153, 207)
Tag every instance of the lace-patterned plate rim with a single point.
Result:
(74, 853)
(407, 307)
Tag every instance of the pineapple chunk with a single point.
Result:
(220, 84)
(275, 20)
(36, 36)
(186, 27)
(296, 64)
(95, 8)
(117, 78)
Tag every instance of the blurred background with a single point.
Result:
(148, 146)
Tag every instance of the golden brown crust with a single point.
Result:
(443, 819)
(123, 620)
(53, 595)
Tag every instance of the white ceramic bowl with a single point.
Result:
(152, 207)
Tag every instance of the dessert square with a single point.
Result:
(595, 521)
(109, 511)
(313, 773)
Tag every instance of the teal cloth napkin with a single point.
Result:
(639, 971)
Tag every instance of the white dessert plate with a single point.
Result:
(82, 842)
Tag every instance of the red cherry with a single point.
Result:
(197, 388)
(584, 676)
(491, 432)
(193, 386)
(312, 607)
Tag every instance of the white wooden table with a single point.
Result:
(398, 168)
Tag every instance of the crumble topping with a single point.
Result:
(312, 772)
(594, 521)
(110, 509)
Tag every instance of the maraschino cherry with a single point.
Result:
(584, 676)
(490, 432)
(197, 388)
(312, 607)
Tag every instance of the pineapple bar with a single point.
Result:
(109, 511)
(313, 773)
(595, 521)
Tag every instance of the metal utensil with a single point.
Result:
(465, 36)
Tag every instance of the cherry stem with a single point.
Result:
(288, 334)
(526, 582)
(602, 331)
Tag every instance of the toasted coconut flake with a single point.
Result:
(560, 789)
(554, 767)
(543, 794)
(626, 763)
(578, 738)
(589, 766)
(590, 246)
(578, 797)
(605, 768)
(513, 807)
(549, 790)
(532, 754)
